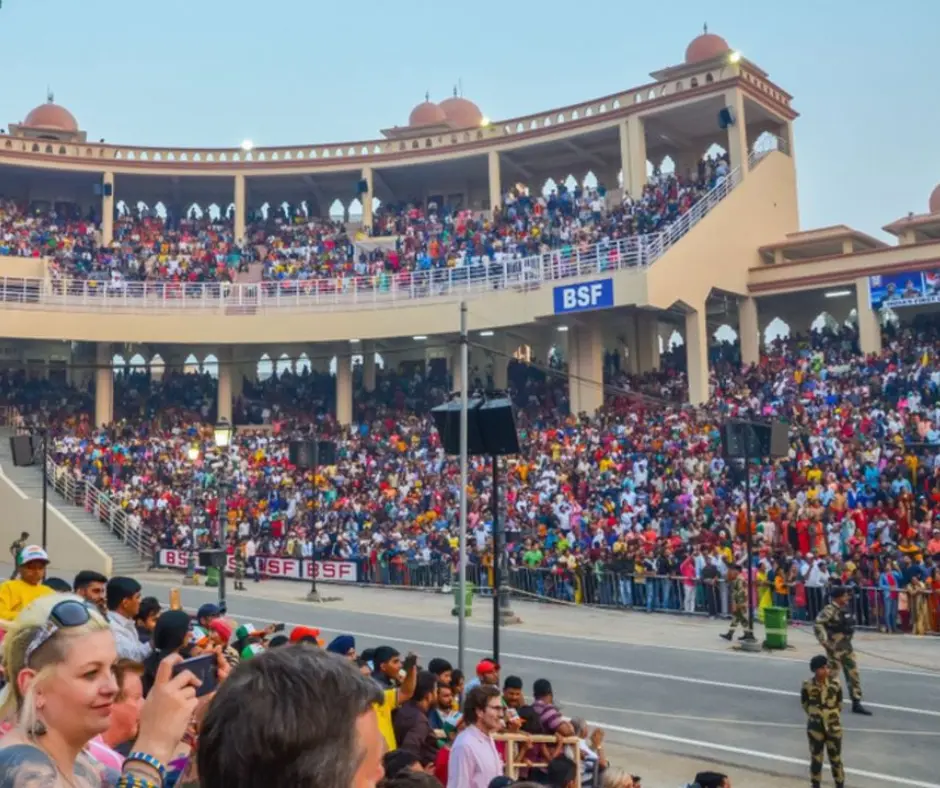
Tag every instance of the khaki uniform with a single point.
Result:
(834, 630)
(823, 706)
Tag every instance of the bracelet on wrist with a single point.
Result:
(138, 757)
(135, 781)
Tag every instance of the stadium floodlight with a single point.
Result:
(247, 145)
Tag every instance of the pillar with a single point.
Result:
(647, 339)
(501, 366)
(696, 350)
(496, 191)
(633, 155)
(585, 368)
(456, 369)
(869, 327)
(104, 385)
(239, 208)
(368, 367)
(633, 345)
(344, 398)
(737, 132)
(107, 209)
(366, 199)
(226, 373)
(748, 331)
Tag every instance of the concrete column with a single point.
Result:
(585, 368)
(224, 403)
(748, 331)
(869, 327)
(239, 207)
(737, 133)
(501, 366)
(496, 191)
(107, 209)
(104, 385)
(366, 200)
(344, 398)
(696, 349)
(633, 155)
(368, 366)
(633, 345)
(647, 338)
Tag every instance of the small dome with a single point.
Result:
(461, 113)
(934, 203)
(51, 116)
(705, 47)
(427, 113)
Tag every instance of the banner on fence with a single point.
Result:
(276, 567)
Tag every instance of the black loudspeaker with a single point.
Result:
(754, 440)
(726, 117)
(362, 187)
(312, 454)
(214, 559)
(108, 190)
(21, 447)
(491, 427)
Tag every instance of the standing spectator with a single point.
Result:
(92, 586)
(474, 760)
(15, 550)
(687, 571)
(550, 718)
(413, 730)
(123, 595)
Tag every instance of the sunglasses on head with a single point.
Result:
(67, 614)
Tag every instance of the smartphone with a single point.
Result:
(175, 603)
(205, 668)
(410, 661)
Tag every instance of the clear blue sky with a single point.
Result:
(214, 73)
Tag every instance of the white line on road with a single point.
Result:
(881, 778)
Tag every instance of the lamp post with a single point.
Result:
(222, 434)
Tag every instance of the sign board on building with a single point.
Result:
(582, 297)
(277, 567)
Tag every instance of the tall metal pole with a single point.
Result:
(462, 543)
(749, 635)
(223, 517)
(45, 484)
(497, 558)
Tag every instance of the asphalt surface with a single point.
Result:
(721, 706)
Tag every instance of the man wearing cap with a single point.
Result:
(834, 630)
(19, 592)
(206, 614)
(738, 594)
(821, 698)
(487, 675)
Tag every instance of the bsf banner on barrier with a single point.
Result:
(276, 568)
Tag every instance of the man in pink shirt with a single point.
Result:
(474, 760)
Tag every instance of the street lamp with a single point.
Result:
(193, 453)
(223, 434)
(218, 558)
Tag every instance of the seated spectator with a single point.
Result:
(18, 593)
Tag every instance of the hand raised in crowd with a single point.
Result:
(168, 710)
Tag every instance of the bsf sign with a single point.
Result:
(276, 567)
(584, 296)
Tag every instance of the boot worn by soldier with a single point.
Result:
(821, 698)
(834, 629)
(858, 708)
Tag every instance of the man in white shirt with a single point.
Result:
(123, 595)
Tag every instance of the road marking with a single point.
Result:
(594, 638)
(603, 668)
(881, 778)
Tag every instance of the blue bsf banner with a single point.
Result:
(584, 296)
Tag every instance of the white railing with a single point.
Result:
(379, 291)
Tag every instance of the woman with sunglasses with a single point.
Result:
(58, 658)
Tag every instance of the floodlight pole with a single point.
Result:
(462, 542)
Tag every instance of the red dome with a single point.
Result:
(427, 113)
(51, 116)
(705, 47)
(935, 200)
(461, 113)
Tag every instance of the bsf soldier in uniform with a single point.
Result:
(738, 593)
(821, 697)
(834, 630)
(240, 566)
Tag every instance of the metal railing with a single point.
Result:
(374, 291)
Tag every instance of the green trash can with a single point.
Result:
(468, 603)
(775, 627)
(212, 577)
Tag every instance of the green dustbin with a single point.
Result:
(775, 627)
(468, 603)
(212, 577)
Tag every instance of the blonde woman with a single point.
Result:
(58, 658)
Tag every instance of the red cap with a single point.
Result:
(222, 628)
(299, 633)
(486, 666)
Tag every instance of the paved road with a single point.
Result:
(733, 708)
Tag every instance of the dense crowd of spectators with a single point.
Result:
(293, 248)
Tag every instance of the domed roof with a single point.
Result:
(934, 203)
(461, 113)
(427, 113)
(51, 116)
(705, 47)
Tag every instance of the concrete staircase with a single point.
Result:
(125, 559)
(252, 276)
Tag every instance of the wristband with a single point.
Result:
(149, 760)
(134, 781)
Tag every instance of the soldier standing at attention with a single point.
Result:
(821, 698)
(738, 592)
(239, 565)
(834, 631)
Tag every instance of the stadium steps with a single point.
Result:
(124, 558)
